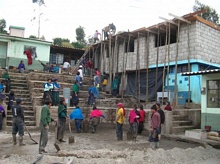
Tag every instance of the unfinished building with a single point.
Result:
(155, 57)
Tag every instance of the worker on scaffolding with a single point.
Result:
(96, 36)
(106, 32)
(112, 29)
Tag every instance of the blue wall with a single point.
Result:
(183, 82)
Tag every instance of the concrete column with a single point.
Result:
(167, 127)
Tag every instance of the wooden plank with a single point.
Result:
(180, 18)
(170, 21)
(151, 31)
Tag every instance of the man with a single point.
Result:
(120, 121)
(48, 88)
(83, 64)
(7, 80)
(89, 67)
(56, 89)
(113, 28)
(66, 66)
(45, 120)
(18, 122)
(95, 37)
(162, 117)
(154, 127)
(106, 32)
(62, 115)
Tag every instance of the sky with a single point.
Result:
(60, 18)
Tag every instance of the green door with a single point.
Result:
(3, 54)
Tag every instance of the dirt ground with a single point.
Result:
(102, 147)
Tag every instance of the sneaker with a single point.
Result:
(61, 140)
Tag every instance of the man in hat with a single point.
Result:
(62, 115)
(120, 121)
(45, 120)
(18, 122)
(56, 89)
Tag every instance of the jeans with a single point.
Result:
(61, 128)
(18, 126)
(78, 124)
(119, 131)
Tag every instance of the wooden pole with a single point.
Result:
(176, 58)
(123, 70)
(125, 64)
(168, 67)
(110, 63)
(158, 38)
(189, 68)
(147, 65)
(164, 67)
(104, 54)
(102, 57)
(138, 72)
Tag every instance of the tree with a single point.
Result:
(59, 41)
(32, 37)
(78, 45)
(2, 26)
(80, 34)
(67, 44)
(210, 14)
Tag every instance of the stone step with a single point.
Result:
(27, 123)
(181, 129)
(16, 91)
(181, 123)
(22, 95)
(179, 118)
(17, 80)
(18, 84)
(26, 118)
(26, 112)
(19, 87)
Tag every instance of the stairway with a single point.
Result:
(20, 89)
(181, 123)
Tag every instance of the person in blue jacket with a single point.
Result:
(77, 115)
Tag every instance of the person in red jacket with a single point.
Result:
(141, 120)
(89, 67)
(168, 107)
(29, 56)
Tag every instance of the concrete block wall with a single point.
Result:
(203, 42)
(207, 43)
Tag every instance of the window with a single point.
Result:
(129, 47)
(162, 38)
(107, 52)
(32, 50)
(213, 95)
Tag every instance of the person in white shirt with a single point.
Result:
(80, 71)
(66, 66)
(95, 37)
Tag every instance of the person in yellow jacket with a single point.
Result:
(120, 121)
(104, 81)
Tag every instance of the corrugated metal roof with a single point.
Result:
(200, 72)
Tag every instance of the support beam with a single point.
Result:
(170, 21)
(151, 31)
(180, 18)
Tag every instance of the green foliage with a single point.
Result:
(32, 37)
(211, 14)
(42, 37)
(2, 26)
(59, 41)
(78, 45)
(80, 34)
(67, 44)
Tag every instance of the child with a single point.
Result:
(77, 115)
(2, 115)
(11, 98)
(92, 91)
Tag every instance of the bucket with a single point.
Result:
(208, 128)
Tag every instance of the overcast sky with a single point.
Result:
(60, 18)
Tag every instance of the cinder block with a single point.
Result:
(196, 133)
